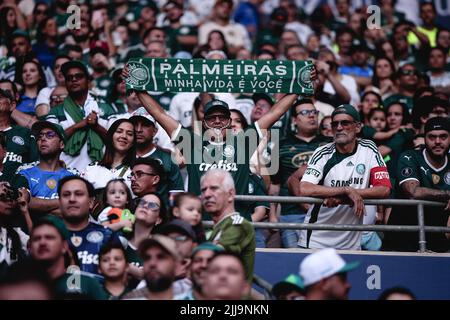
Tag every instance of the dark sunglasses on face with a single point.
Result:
(47, 135)
(409, 72)
(148, 205)
(343, 123)
(75, 77)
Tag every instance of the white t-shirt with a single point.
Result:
(235, 34)
(44, 96)
(349, 83)
(99, 176)
(6, 244)
(182, 105)
(360, 170)
(303, 31)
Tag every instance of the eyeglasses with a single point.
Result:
(180, 238)
(139, 174)
(148, 205)
(212, 118)
(74, 77)
(60, 97)
(47, 135)
(306, 113)
(344, 123)
(409, 72)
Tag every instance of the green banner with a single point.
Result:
(199, 75)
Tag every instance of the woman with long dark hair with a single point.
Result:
(216, 41)
(384, 76)
(120, 152)
(11, 19)
(32, 79)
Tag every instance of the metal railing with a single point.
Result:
(421, 228)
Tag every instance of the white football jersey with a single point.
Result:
(360, 170)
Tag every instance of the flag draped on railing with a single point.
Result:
(239, 76)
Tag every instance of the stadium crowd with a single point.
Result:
(97, 201)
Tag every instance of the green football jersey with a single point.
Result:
(237, 235)
(20, 148)
(232, 156)
(413, 165)
(294, 153)
(256, 187)
(78, 283)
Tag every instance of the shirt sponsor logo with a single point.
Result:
(360, 168)
(18, 140)
(87, 258)
(251, 188)
(346, 183)
(11, 156)
(350, 164)
(224, 165)
(312, 172)
(95, 237)
(300, 159)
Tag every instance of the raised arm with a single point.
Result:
(168, 123)
(275, 113)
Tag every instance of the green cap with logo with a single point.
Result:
(216, 104)
(347, 109)
(55, 221)
(39, 125)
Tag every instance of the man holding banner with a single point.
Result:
(218, 147)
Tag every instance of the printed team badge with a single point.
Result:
(95, 237)
(406, 172)
(251, 188)
(18, 140)
(301, 158)
(51, 183)
(435, 178)
(360, 168)
(76, 241)
(304, 77)
(139, 74)
(447, 178)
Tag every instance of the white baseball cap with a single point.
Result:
(141, 112)
(323, 264)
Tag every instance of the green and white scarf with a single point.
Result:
(199, 75)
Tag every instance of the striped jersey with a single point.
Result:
(360, 170)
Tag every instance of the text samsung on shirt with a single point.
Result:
(347, 183)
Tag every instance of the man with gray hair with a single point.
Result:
(230, 230)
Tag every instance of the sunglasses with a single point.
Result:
(409, 72)
(148, 205)
(344, 123)
(74, 77)
(306, 113)
(47, 135)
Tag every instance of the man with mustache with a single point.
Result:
(231, 230)
(48, 246)
(423, 175)
(343, 173)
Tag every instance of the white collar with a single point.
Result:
(431, 166)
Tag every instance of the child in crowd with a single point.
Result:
(188, 207)
(113, 265)
(116, 215)
(377, 125)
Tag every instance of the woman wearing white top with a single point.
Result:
(120, 152)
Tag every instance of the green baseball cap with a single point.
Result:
(347, 109)
(39, 125)
(290, 283)
(207, 246)
(55, 221)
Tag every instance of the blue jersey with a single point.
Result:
(87, 244)
(44, 184)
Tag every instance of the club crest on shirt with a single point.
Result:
(51, 183)
(18, 140)
(406, 172)
(95, 237)
(447, 178)
(228, 152)
(435, 178)
(76, 241)
(360, 168)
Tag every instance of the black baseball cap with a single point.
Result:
(262, 96)
(39, 125)
(216, 104)
(74, 64)
(437, 123)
